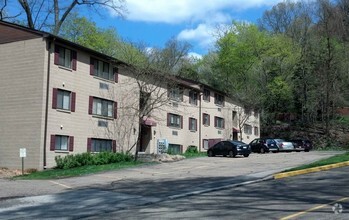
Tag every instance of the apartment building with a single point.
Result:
(60, 98)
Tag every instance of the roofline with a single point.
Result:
(52, 37)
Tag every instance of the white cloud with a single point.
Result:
(194, 55)
(178, 11)
(203, 33)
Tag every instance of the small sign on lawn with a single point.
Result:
(22, 152)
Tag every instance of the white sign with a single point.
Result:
(22, 152)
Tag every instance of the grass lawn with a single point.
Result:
(85, 170)
(331, 160)
(79, 171)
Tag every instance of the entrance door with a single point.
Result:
(145, 137)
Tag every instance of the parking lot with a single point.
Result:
(200, 170)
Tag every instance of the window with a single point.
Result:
(102, 107)
(247, 129)
(100, 145)
(102, 69)
(176, 94)
(218, 122)
(192, 124)
(62, 142)
(62, 99)
(207, 95)
(255, 113)
(206, 119)
(174, 120)
(65, 57)
(256, 131)
(174, 149)
(219, 99)
(193, 97)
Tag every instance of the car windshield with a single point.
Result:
(280, 140)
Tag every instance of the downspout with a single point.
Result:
(48, 45)
(200, 142)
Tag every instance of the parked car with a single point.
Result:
(263, 145)
(301, 144)
(229, 148)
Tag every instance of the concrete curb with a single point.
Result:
(310, 170)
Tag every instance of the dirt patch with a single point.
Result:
(6, 173)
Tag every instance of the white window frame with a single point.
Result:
(103, 107)
(62, 142)
(65, 57)
(63, 99)
(175, 120)
(101, 145)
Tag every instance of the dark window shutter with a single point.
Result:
(73, 100)
(181, 148)
(203, 118)
(53, 142)
(56, 59)
(116, 74)
(189, 123)
(209, 120)
(196, 124)
(54, 98)
(181, 121)
(74, 60)
(71, 143)
(89, 144)
(215, 121)
(223, 122)
(92, 66)
(168, 119)
(115, 110)
(90, 105)
(114, 146)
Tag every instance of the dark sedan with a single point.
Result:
(301, 144)
(229, 148)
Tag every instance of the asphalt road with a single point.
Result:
(148, 188)
(311, 196)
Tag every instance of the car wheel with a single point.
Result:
(232, 154)
(210, 153)
(262, 151)
(307, 150)
(246, 155)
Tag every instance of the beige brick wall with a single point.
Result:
(80, 124)
(23, 75)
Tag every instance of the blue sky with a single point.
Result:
(153, 22)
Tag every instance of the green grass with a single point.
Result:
(78, 171)
(331, 160)
(343, 120)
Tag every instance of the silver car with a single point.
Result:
(284, 145)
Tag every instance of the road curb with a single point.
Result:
(310, 170)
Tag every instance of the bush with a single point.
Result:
(78, 160)
(192, 149)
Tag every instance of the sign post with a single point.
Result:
(22, 154)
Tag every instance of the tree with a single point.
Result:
(51, 14)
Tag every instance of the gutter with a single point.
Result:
(48, 46)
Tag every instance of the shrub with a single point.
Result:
(192, 149)
(78, 160)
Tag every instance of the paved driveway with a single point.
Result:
(201, 173)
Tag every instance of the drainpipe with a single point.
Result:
(48, 46)
(200, 96)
